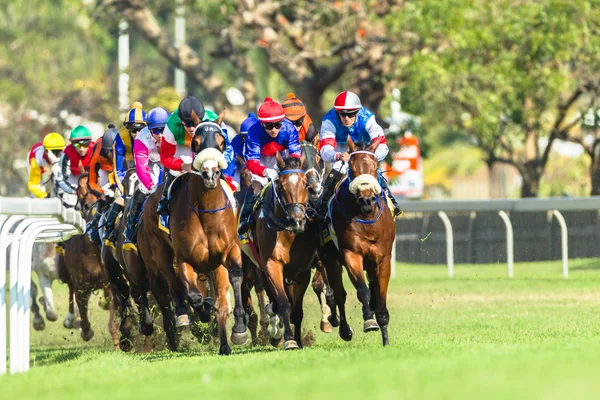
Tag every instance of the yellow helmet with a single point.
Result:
(54, 141)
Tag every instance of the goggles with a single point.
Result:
(157, 131)
(84, 144)
(272, 125)
(298, 122)
(188, 123)
(347, 113)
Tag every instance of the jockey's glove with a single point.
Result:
(270, 174)
(109, 192)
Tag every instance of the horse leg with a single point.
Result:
(381, 286)
(259, 289)
(334, 276)
(140, 297)
(82, 296)
(47, 300)
(330, 300)
(189, 279)
(318, 285)
(160, 290)
(274, 273)
(222, 288)
(112, 323)
(120, 288)
(354, 266)
(296, 293)
(239, 333)
(249, 308)
(70, 321)
(38, 320)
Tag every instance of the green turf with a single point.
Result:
(478, 335)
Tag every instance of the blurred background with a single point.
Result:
(499, 97)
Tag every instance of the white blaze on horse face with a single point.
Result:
(293, 179)
(210, 164)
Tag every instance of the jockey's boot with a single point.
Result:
(163, 204)
(383, 183)
(245, 222)
(134, 212)
(92, 230)
(111, 217)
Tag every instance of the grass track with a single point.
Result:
(479, 335)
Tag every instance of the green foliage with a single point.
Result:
(566, 176)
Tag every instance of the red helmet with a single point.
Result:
(270, 111)
(347, 101)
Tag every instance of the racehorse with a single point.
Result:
(81, 268)
(204, 233)
(286, 243)
(365, 230)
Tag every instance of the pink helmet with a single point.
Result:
(270, 111)
(347, 101)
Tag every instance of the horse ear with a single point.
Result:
(280, 162)
(196, 143)
(351, 145)
(221, 116)
(315, 141)
(196, 119)
(375, 143)
(302, 159)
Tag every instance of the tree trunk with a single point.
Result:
(531, 179)
(595, 168)
(311, 97)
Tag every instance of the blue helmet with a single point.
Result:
(157, 117)
(248, 122)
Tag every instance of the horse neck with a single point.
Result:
(204, 197)
(278, 210)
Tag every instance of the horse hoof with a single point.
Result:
(225, 350)
(51, 315)
(334, 321)
(125, 344)
(275, 342)
(39, 325)
(346, 333)
(146, 329)
(182, 320)
(290, 345)
(326, 327)
(87, 336)
(370, 325)
(239, 339)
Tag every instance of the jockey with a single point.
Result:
(135, 121)
(175, 151)
(73, 163)
(99, 183)
(274, 134)
(239, 141)
(146, 150)
(296, 112)
(42, 157)
(349, 118)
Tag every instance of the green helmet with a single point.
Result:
(210, 116)
(80, 132)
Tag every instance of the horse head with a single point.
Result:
(208, 146)
(291, 191)
(313, 166)
(85, 198)
(130, 183)
(245, 175)
(362, 173)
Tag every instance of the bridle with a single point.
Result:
(276, 197)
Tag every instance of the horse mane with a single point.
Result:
(362, 145)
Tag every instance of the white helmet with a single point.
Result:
(347, 101)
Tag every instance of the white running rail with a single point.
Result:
(23, 222)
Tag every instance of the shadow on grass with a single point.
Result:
(587, 267)
(45, 357)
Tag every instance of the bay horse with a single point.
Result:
(204, 234)
(287, 242)
(365, 230)
(82, 269)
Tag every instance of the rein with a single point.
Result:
(199, 210)
(279, 223)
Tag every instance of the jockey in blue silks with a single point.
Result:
(349, 118)
(239, 142)
(273, 134)
(229, 154)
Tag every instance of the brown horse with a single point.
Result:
(204, 232)
(82, 269)
(365, 231)
(287, 243)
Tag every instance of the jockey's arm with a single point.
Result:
(328, 142)
(63, 175)
(231, 160)
(294, 145)
(140, 153)
(167, 154)
(119, 161)
(252, 149)
(35, 179)
(376, 133)
(93, 178)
